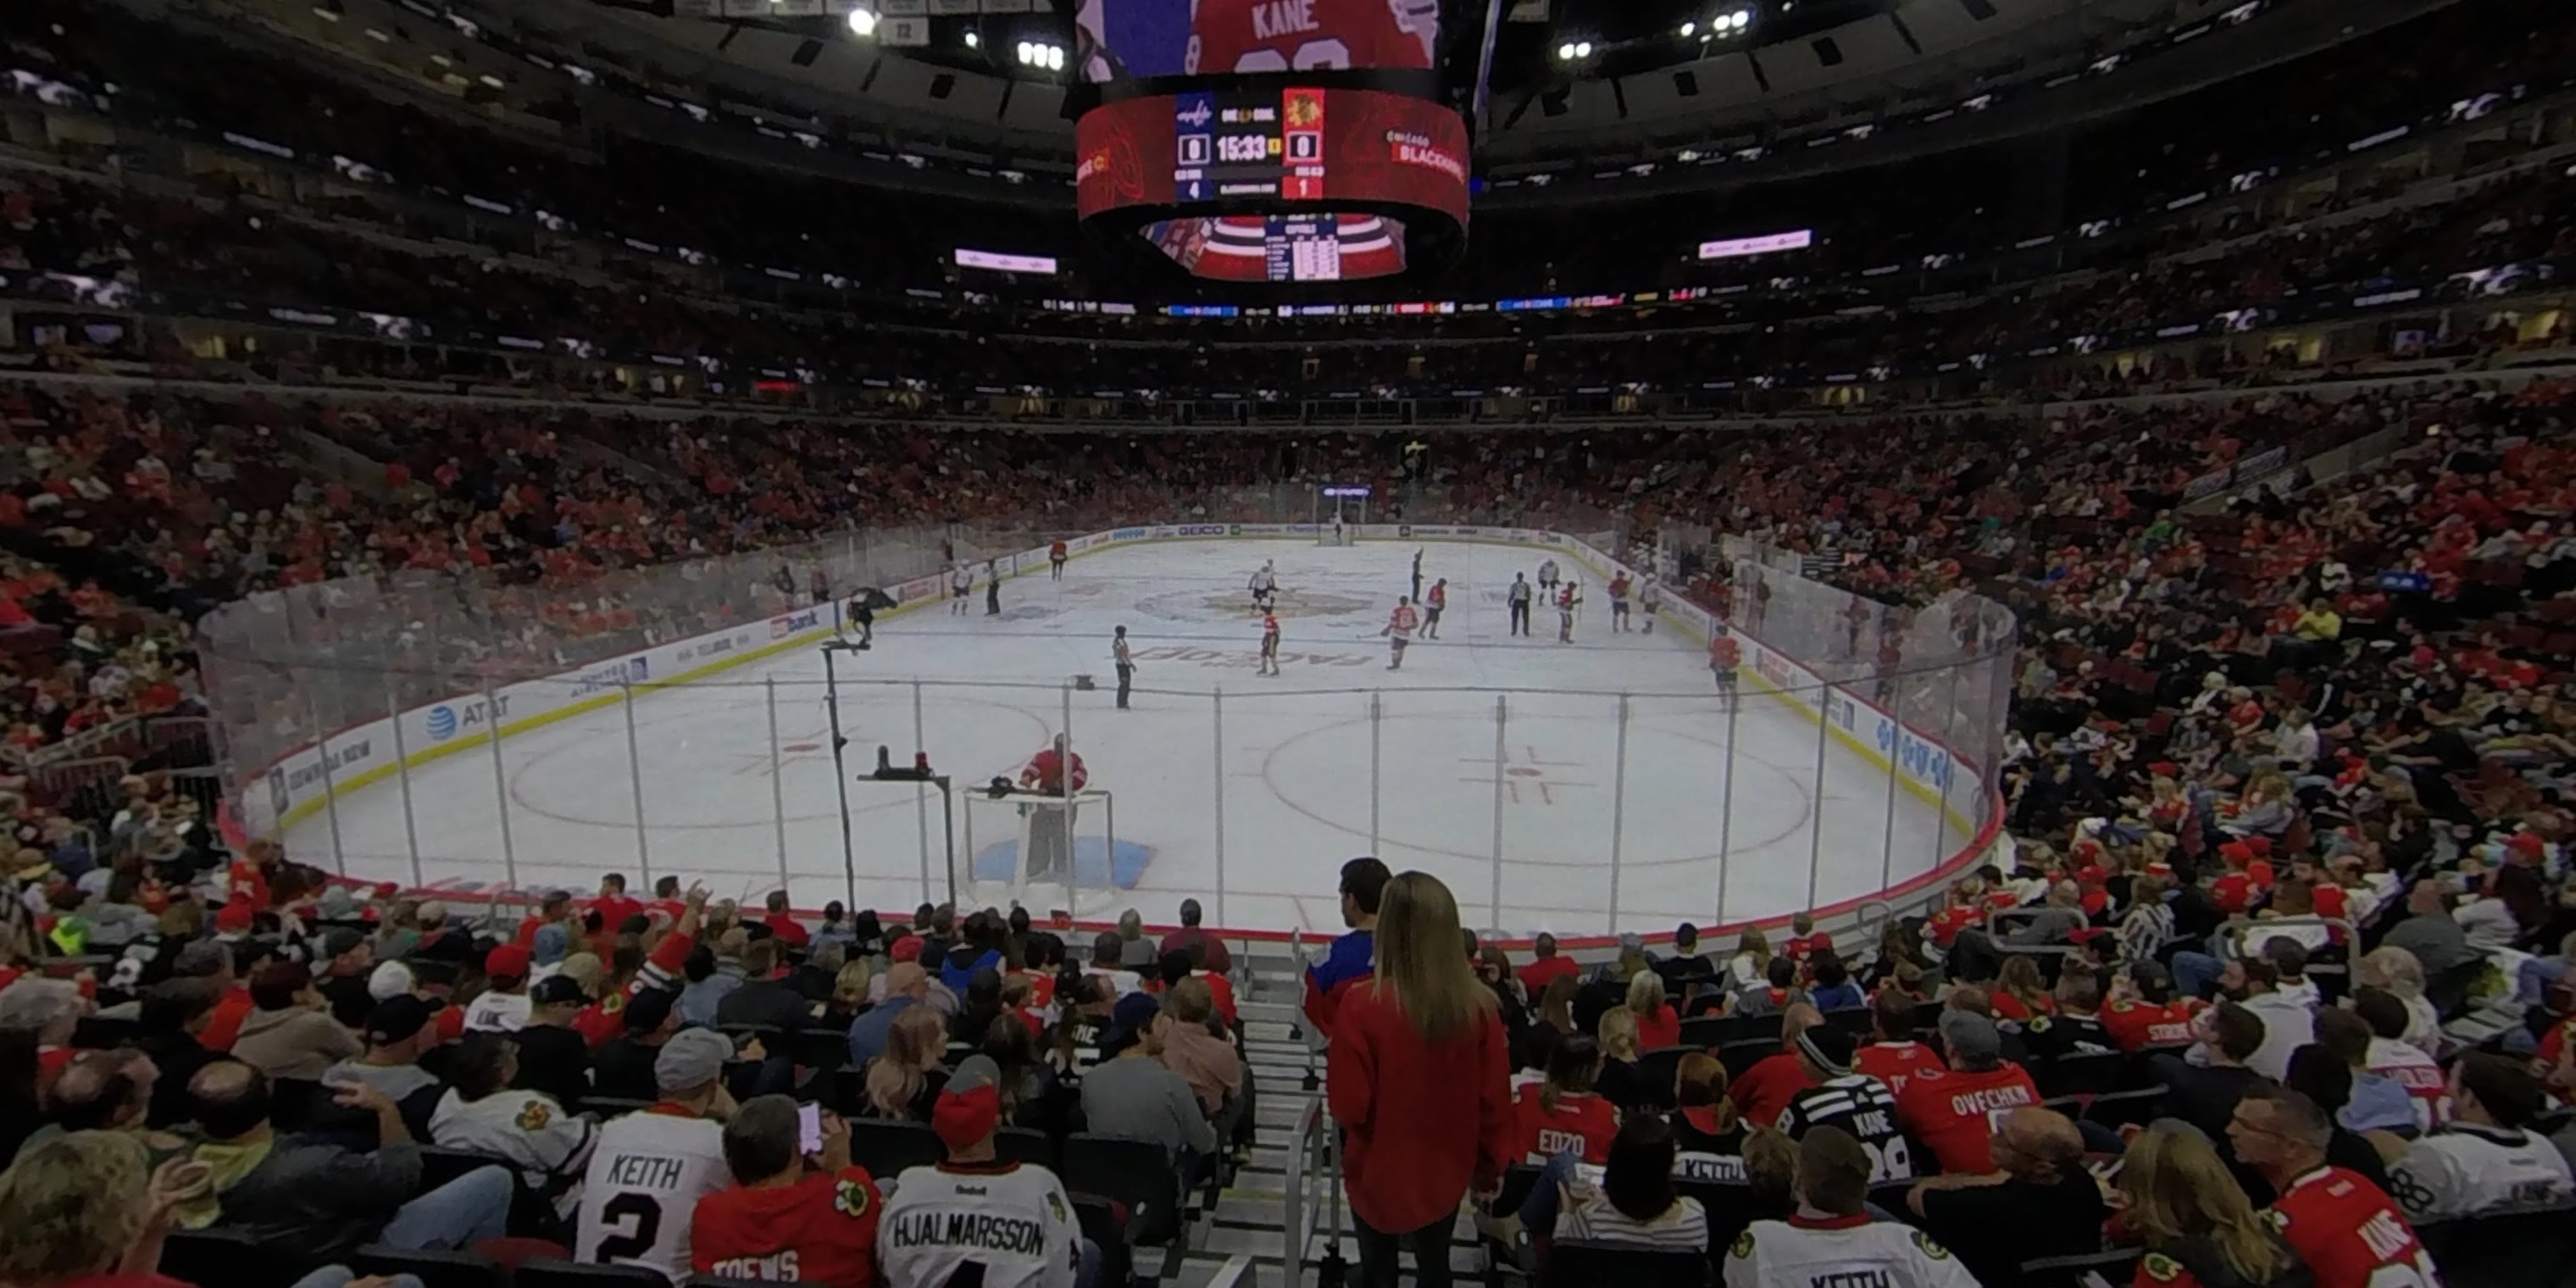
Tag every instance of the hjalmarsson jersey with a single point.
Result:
(1001, 1225)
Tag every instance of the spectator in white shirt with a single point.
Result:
(2485, 1163)
(2288, 1023)
(2295, 741)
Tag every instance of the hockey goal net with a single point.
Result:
(1340, 509)
(1048, 854)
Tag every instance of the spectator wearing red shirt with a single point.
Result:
(1775, 1080)
(1805, 942)
(789, 1216)
(602, 1021)
(1894, 1057)
(1212, 951)
(612, 905)
(1418, 1080)
(1658, 1024)
(212, 959)
(1547, 967)
(1965, 909)
(2347, 1229)
(554, 909)
(1956, 1111)
(1563, 1113)
(2143, 1013)
(782, 922)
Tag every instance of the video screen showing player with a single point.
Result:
(1141, 39)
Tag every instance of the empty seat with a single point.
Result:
(887, 1148)
(549, 1273)
(1580, 1263)
(434, 1268)
(1135, 1174)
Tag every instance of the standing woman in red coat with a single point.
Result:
(1419, 1082)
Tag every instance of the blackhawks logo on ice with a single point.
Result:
(1228, 606)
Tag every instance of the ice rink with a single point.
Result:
(1242, 790)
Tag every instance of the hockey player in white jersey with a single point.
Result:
(976, 1219)
(1830, 1238)
(1265, 587)
(1650, 599)
(650, 1168)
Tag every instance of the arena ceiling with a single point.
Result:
(1643, 96)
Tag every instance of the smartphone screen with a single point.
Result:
(809, 1128)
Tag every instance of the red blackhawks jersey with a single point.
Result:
(2135, 1026)
(1956, 1113)
(1310, 35)
(2349, 1232)
(821, 1230)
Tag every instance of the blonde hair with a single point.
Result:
(850, 987)
(2395, 969)
(1618, 1033)
(74, 1204)
(914, 1044)
(1770, 1164)
(2178, 1190)
(1418, 962)
(1646, 994)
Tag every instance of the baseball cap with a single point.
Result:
(906, 949)
(1829, 1047)
(391, 980)
(692, 1058)
(1133, 1015)
(647, 1010)
(970, 1106)
(1973, 1036)
(509, 961)
(557, 990)
(235, 916)
(395, 1019)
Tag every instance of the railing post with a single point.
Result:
(1495, 897)
(1618, 809)
(777, 772)
(1219, 762)
(402, 778)
(330, 789)
(501, 793)
(635, 782)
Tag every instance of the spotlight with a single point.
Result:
(974, 41)
(1689, 29)
(863, 23)
(1583, 49)
(1565, 52)
(1742, 19)
(1055, 58)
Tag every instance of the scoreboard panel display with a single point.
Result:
(1290, 144)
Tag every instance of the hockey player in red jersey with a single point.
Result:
(1724, 655)
(1399, 631)
(1567, 598)
(1311, 35)
(1269, 644)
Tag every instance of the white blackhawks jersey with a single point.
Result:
(1010, 1222)
(646, 1175)
(1831, 1253)
(2473, 1171)
(497, 1013)
(1264, 580)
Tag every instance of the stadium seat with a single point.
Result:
(1656, 1068)
(2121, 1108)
(1730, 1208)
(1704, 1032)
(1023, 1145)
(2523, 1250)
(551, 1273)
(887, 1148)
(1581, 1263)
(1744, 1053)
(611, 1106)
(434, 1268)
(101, 1033)
(2114, 1267)
(215, 1256)
(1101, 1224)
(1135, 1174)
(2084, 1074)
(439, 1165)
(720, 1281)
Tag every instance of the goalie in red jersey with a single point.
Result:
(1311, 35)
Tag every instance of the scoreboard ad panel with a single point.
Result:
(1270, 145)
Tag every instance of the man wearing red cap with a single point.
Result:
(1011, 1223)
(503, 1007)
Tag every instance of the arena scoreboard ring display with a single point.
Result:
(1269, 140)
(1266, 182)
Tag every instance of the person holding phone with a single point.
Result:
(799, 1209)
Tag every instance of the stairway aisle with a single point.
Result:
(1249, 1221)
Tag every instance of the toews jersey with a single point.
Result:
(821, 1230)
(2350, 1233)
(1006, 1225)
(1310, 35)
(646, 1176)
(1829, 1252)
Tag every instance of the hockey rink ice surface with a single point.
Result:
(1287, 770)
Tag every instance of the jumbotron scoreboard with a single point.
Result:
(1300, 164)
